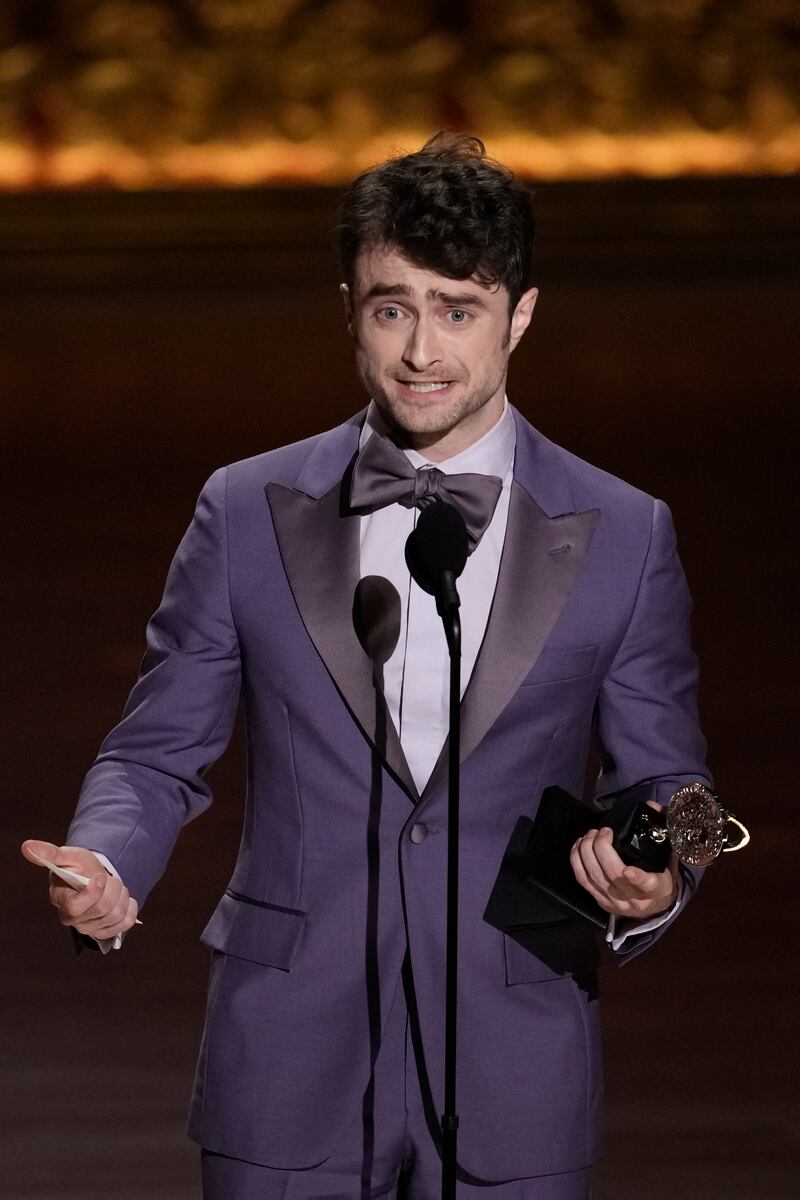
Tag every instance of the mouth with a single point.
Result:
(423, 386)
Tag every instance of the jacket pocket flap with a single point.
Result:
(251, 929)
(554, 665)
(522, 966)
(550, 950)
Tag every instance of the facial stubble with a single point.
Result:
(426, 420)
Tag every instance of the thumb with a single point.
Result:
(35, 850)
(74, 857)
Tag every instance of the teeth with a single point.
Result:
(427, 387)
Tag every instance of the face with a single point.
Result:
(432, 351)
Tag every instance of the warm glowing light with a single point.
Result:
(148, 94)
(579, 155)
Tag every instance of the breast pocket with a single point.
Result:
(256, 931)
(557, 665)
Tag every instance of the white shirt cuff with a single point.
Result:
(616, 940)
(112, 943)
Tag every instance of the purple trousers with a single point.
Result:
(387, 1151)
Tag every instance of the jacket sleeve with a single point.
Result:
(148, 779)
(647, 718)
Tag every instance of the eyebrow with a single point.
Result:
(387, 289)
(456, 299)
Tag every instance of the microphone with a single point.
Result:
(376, 617)
(436, 553)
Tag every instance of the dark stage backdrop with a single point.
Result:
(146, 339)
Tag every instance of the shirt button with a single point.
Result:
(418, 833)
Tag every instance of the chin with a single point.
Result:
(442, 420)
(426, 415)
(427, 422)
(424, 419)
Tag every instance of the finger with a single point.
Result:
(93, 901)
(634, 893)
(73, 903)
(120, 920)
(582, 877)
(588, 856)
(33, 850)
(74, 858)
(618, 888)
(129, 920)
(109, 924)
(624, 882)
(621, 890)
(644, 883)
(78, 859)
(661, 892)
(64, 896)
(97, 929)
(97, 906)
(612, 897)
(609, 861)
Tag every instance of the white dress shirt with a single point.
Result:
(416, 676)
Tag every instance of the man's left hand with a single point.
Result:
(617, 888)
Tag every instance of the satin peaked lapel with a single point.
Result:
(320, 552)
(541, 561)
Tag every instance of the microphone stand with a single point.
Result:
(436, 553)
(447, 602)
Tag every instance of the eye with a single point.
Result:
(390, 313)
(458, 316)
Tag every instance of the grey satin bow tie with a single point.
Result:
(383, 475)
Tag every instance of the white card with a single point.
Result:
(71, 877)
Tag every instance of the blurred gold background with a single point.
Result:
(165, 93)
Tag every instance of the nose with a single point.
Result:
(422, 347)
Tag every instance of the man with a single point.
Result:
(320, 1071)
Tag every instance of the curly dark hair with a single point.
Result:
(447, 207)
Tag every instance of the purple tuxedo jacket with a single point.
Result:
(590, 623)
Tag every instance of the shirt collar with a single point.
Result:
(492, 454)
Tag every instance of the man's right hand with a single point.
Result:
(103, 908)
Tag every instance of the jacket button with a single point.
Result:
(418, 833)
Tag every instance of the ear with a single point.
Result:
(348, 306)
(521, 317)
